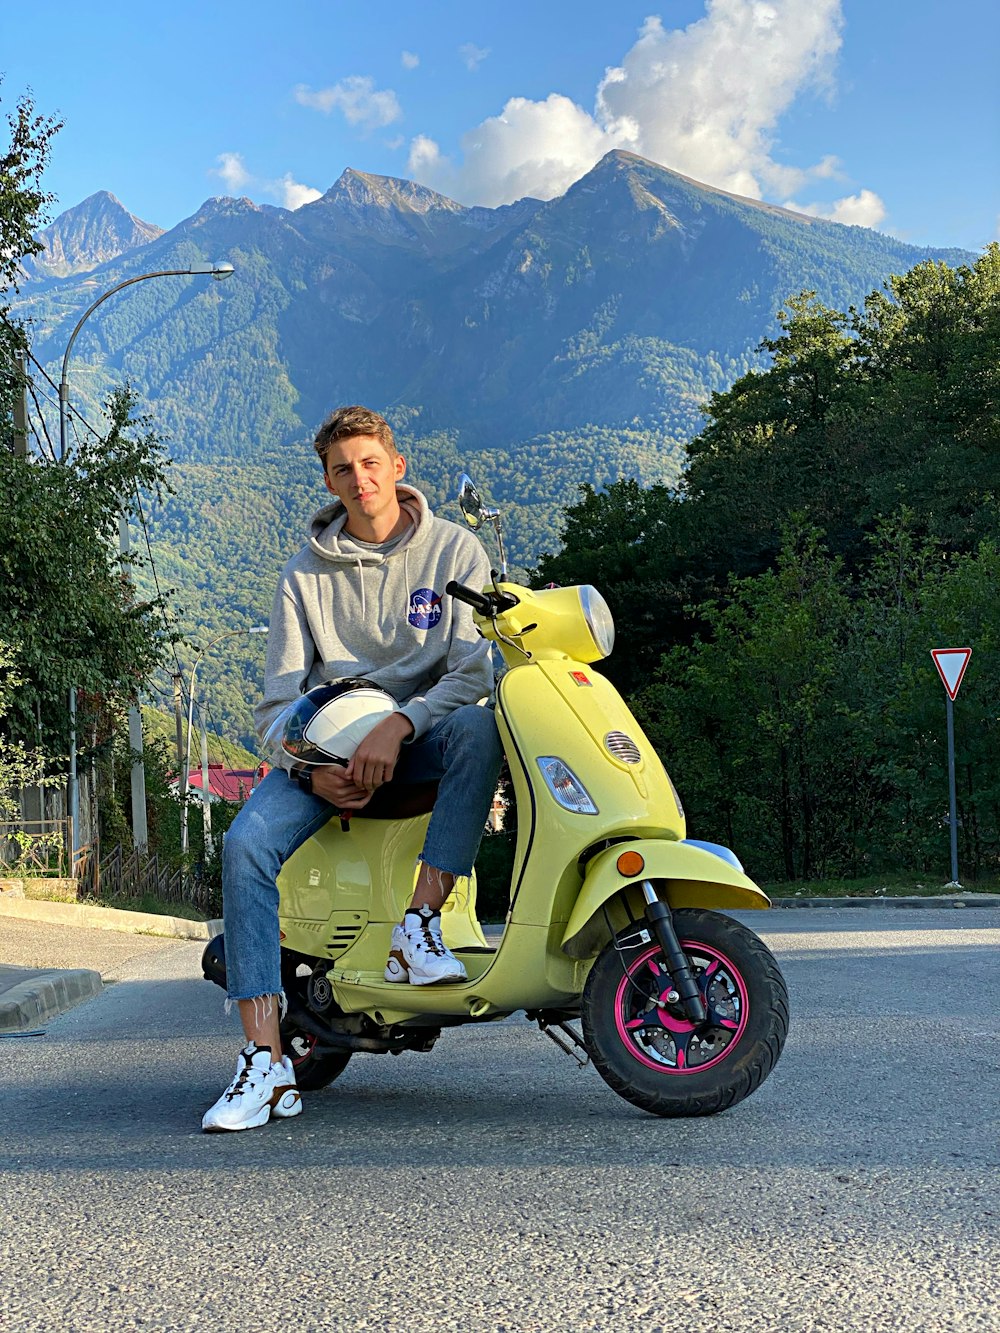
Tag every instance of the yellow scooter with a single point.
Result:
(683, 1010)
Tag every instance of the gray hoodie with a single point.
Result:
(344, 610)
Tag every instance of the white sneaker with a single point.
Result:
(287, 1100)
(419, 955)
(256, 1087)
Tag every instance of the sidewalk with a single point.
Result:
(47, 967)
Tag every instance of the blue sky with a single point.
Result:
(872, 111)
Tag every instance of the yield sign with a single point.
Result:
(951, 664)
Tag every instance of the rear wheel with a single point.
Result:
(312, 1071)
(646, 1048)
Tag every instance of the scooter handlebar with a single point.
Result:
(486, 603)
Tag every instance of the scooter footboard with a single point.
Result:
(693, 877)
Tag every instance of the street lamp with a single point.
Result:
(186, 766)
(140, 832)
(217, 271)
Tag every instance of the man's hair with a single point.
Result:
(346, 422)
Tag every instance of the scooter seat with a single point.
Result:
(404, 800)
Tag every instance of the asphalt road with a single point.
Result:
(491, 1185)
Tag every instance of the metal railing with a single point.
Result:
(122, 874)
(38, 848)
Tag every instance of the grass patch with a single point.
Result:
(879, 886)
(146, 902)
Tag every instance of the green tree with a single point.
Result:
(626, 542)
(23, 209)
(66, 598)
(747, 718)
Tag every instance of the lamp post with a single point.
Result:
(186, 765)
(140, 832)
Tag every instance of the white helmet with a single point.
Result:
(328, 723)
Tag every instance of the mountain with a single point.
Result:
(629, 298)
(90, 234)
(537, 346)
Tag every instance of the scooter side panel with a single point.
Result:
(694, 878)
(365, 874)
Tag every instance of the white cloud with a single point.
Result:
(232, 171)
(357, 98)
(286, 189)
(293, 195)
(425, 155)
(704, 100)
(409, 59)
(537, 148)
(473, 56)
(864, 209)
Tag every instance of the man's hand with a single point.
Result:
(376, 757)
(334, 786)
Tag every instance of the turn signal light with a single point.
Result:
(630, 863)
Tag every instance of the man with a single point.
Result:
(365, 597)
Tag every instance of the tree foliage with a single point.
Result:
(66, 597)
(837, 520)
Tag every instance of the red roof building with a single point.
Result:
(229, 784)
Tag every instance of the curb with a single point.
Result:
(942, 900)
(108, 918)
(44, 997)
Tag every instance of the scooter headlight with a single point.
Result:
(599, 619)
(565, 786)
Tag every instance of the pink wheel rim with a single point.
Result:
(649, 975)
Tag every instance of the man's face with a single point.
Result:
(362, 474)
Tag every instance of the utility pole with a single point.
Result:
(140, 824)
(178, 680)
(206, 793)
(21, 408)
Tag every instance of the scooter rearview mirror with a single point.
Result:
(470, 502)
(477, 513)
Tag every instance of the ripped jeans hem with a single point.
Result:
(265, 1002)
(444, 870)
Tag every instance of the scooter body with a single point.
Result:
(613, 914)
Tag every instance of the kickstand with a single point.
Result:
(578, 1044)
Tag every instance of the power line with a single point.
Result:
(41, 422)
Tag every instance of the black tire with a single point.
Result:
(312, 1071)
(664, 1065)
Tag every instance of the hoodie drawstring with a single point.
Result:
(361, 580)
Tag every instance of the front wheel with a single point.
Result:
(646, 1048)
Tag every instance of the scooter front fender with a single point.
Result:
(692, 876)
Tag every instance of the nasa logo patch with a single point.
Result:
(425, 608)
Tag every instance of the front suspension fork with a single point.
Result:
(662, 925)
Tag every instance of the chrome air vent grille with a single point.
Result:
(622, 747)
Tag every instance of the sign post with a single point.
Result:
(951, 664)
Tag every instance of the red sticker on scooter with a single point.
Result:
(580, 678)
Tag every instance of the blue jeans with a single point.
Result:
(462, 753)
